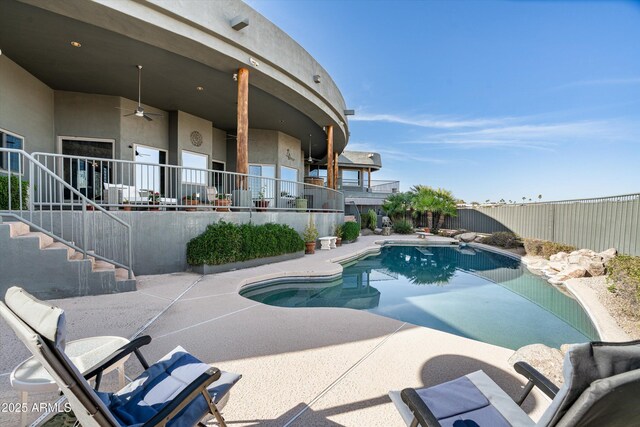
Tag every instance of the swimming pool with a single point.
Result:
(465, 291)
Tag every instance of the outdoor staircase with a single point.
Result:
(50, 269)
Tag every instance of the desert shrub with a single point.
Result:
(15, 193)
(350, 230)
(403, 227)
(310, 234)
(372, 219)
(545, 248)
(503, 239)
(224, 242)
(623, 277)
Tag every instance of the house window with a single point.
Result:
(148, 175)
(289, 177)
(11, 160)
(319, 173)
(350, 177)
(194, 168)
(260, 182)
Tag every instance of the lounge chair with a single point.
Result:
(178, 390)
(601, 388)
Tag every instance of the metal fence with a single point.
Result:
(29, 184)
(597, 223)
(377, 185)
(123, 184)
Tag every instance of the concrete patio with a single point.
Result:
(300, 367)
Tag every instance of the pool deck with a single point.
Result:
(300, 366)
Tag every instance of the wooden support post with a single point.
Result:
(330, 183)
(242, 155)
(335, 170)
(369, 179)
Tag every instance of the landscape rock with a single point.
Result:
(554, 280)
(366, 232)
(377, 231)
(574, 259)
(545, 359)
(594, 267)
(559, 257)
(466, 237)
(478, 239)
(608, 255)
(556, 265)
(571, 272)
(386, 231)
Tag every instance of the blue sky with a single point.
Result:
(489, 99)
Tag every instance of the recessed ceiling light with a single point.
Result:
(199, 88)
(76, 44)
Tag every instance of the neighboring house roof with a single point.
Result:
(365, 201)
(360, 159)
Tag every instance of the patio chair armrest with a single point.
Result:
(186, 396)
(420, 410)
(119, 354)
(535, 379)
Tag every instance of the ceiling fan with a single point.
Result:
(310, 159)
(139, 111)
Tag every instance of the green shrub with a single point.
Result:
(310, 234)
(15, 193)
(224, 242)
(350, 231)
(503, 239)
(403, 227)
(623, 277)
(372, 219)
(545, 248)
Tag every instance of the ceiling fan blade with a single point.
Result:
(154, 114)
(149, 119)
(130, 114)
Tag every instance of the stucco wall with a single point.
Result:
(136, 130)
(219, 143)
(26, 106)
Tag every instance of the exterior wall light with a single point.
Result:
(76, 44)
(239, 22)
(254, 62)
(316, 78)
(199, 88)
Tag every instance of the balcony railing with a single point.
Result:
(129, 185)
(377, 186)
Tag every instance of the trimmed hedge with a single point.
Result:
(402, 226)
(15, 193)
(350, 231)
(503, 239)
(545, 248)
(225, 242)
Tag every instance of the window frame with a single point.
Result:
(205, 169)
(3, 140)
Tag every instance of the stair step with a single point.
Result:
(43, 238)
(59, 245)
(103, 265)
(17, 228)
(123, 274)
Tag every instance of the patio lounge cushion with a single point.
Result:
(471, 400)
(157, 386)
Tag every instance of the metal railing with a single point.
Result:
(595, 223)
(131, 185)
(34, 197)
(377, 186)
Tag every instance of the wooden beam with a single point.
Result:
(242, 154)
(335, 170)
(369, 179)
(330, 183)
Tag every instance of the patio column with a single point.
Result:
(369, 179)
(335, 170)
(330, 183)
(242, 157)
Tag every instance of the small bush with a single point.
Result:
(350, 230)
(15, 193)
(503, 239)
(403, 227)
(623, 277)
(224, 242)
(545, 248)
(310, 234)
(372, 219)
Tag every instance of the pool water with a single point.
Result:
(465, 291)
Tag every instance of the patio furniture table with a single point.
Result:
(30, 376)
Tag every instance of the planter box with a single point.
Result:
(220, 268)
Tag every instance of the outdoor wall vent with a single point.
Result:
(316, 78)
(239, 22)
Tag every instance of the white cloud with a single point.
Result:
(433, 122)
(602, 82)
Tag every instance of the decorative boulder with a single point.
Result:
(545, 359)
(466, 237)
(559, 257)
(594, 267)
(386, 231)
(557, 266)
(608, 255)
(377, 231)
(571, 272)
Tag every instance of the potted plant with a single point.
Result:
(310, 236)
(190, 200)
(126, 206)
(338, 234)
(154, 199)
(222, 200)
(261, 203)
(301, 203)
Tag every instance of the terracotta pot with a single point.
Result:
(310, 248)
(261, 205)
(338, 241)
(222, 202)
(126, 208)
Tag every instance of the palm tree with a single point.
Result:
(445, 205)
(396, 205)
(539, 196)
(423, 199)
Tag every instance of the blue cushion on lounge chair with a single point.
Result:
(145, 396)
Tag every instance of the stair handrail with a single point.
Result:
(34, 163)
